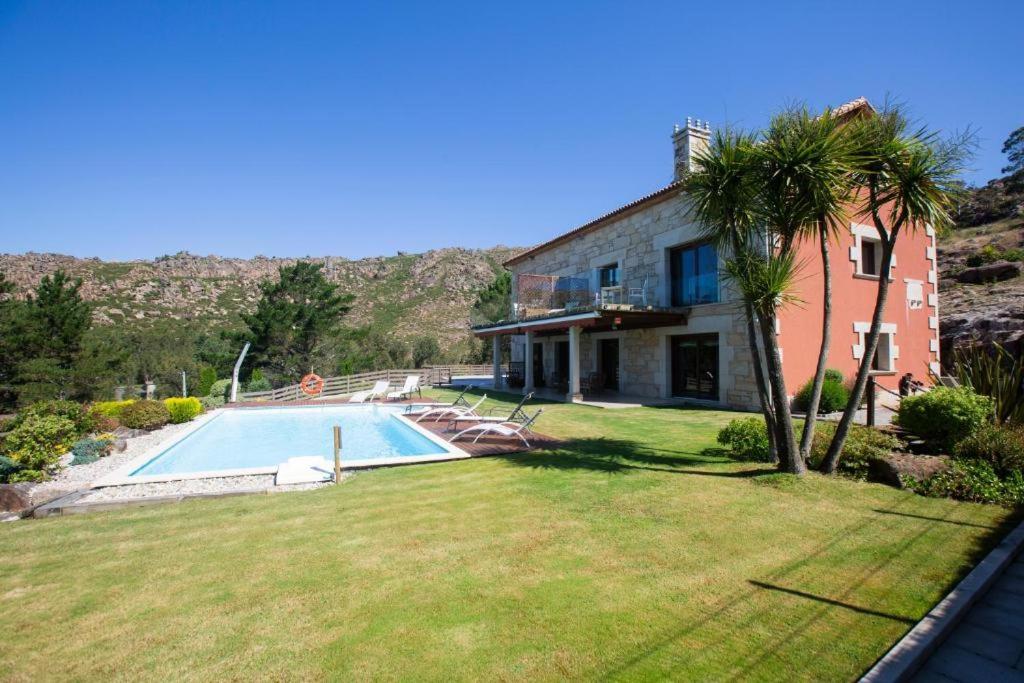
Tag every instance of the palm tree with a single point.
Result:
(808, 162)
(723, 199)
(908, 180)
(765, 278)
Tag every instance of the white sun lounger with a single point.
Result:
(412, 384)
(451, 411)
(459, 401)
(379, 389)
(506, 429)
(517, 415)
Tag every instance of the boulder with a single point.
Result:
(15, 497)
(990, 272)
(889, 468)
(119, 445)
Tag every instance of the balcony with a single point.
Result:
(557, 302)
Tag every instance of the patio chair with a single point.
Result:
(412, 384)
(638, 294)
(506, 429)
(517, 415)
(592, 383)
(449, 411)
(379, 389)
(460, 400)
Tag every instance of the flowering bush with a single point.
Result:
(183, 409)
(69, 410)
(145, 415)
(36, 445)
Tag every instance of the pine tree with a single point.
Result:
(294, 317)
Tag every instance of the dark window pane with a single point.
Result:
(695, 366)
(694, 272)
(610, 276)
(867, 257)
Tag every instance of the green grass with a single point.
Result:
(633, 552)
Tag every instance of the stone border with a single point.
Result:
(910, 653)
(67, 505)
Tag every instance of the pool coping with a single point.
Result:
(122, 475)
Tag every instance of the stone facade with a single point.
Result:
(639, 242)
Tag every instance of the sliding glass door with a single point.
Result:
(695, 366)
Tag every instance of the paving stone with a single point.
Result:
(1011, 584)
(995, 646)
(1003, 599)
(929, 675)
(998, 620)
(962, 665)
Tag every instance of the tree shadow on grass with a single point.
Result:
(623, 455)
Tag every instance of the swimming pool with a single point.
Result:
(259, 440)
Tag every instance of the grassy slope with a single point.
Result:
(628, 553)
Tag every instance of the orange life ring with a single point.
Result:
(312, 384)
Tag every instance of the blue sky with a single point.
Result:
(134, 129)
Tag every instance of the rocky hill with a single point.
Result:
(981, 287)
(410, 294)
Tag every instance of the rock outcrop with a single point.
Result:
(981, 304)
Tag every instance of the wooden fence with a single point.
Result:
(346, 385)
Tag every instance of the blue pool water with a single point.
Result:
(266, 437)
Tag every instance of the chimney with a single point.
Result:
(689, 142)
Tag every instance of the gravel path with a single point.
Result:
(252, 482)
(80, 477)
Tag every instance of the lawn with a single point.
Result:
(635, 551)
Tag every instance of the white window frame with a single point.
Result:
(860, 233)
(889, 330)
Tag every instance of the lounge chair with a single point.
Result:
(460, 400)
(412, 384)
(506, 429)
(517, 415)
(379, 389)
(450, 411)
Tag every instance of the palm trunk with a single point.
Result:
(789, 456)
(807, 437)
(828, 465)
(762, 383)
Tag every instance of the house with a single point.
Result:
(635, 302)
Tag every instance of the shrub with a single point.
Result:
(69, 410)
(1001, 447)
(944, 416)
(183, 409)
(145, 415)
(258, 382)
(971, 480)
(111, 408)
(210, 403)
(834, 393)
(37, 443)
(863, 444)
(207, 376)
(986, 254)
(7, 468)
(995, 372)
(219, 394)
(90, 450)
(747, 439)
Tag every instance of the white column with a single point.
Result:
(496, 360)
(528, 364)
(574, 365)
